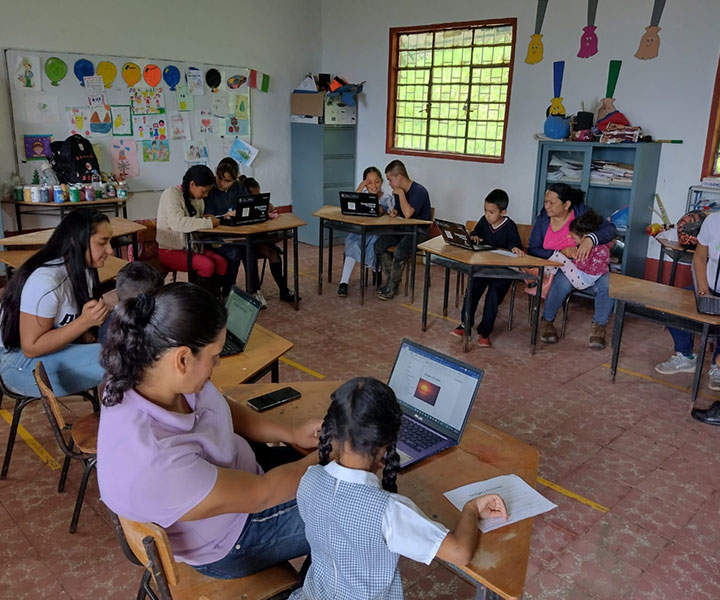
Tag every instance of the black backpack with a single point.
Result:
(74, 160)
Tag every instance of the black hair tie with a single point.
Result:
(144, 306)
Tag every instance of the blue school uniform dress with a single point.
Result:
(353, 240)
(356, 532)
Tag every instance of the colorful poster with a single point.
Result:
(243, 152)
(124, 159)
(179, 126)
(37, 146)
(122, 124)
(206, 122)
(194, 78)
(100, 121)
(155, 151)
(78, 120)
(147, 102)
(195, 150)
(27, 74)
(95, 90)
(149, 127)
(184, 98)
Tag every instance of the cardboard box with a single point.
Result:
(307, 104)
(337, 113)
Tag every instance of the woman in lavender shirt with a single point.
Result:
(174, 451)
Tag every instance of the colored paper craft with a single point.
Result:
(122, 124)
(83, 68)
(243, 152)
(155, 151)
(213, 78)
(108, 72)
(194, 78)
(147, 102)
(55, 69)
(37, 146)
(235, 126)
(124, 159)
(149, 127)
(131, 73)
(195, 150)
(179, 126)
(152, 75)
(100, 121)
(78, 120)
(95, 90)
(588, 39)
(650, 41)
(235, 81)
(259, 81)
(206, 122)
(27, 74)
(185, 99)
(171, 76)
(535, 47)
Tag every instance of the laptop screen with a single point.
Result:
(242, 314)
(436, 389)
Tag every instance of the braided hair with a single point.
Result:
(145, 327)
(364, 413)
(200, 175)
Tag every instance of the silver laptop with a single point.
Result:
(242, 310)
(707, 305)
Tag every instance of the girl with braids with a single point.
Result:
(182, 210)
(356, 528)
(173, 450)
(52, 307)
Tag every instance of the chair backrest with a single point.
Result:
(49, 400)
(524, 231)
(136, 532)
(470, 225)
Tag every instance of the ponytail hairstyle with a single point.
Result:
(200, 175)
(250, 183)
(227, 165)
(568, 193)
(588, 222)
(369, 170)
(145, 327)
(68, 244)
(364, 413)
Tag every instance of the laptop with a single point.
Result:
(707, 305)
(254, 208)
(359, 204)
(242, 310)
(436, 393)
(456, 234)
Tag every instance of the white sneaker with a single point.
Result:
(261, 299)
(677, 363)
(714, 383)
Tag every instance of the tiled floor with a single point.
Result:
(630, 447)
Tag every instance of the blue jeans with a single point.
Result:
(269, 538)
(561, 287)
(684, 340)
(73, 369)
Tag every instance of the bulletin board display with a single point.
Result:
(148, 120)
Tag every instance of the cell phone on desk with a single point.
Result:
(271, 399)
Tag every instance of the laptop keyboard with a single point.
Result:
(228, 349)
(417, 437)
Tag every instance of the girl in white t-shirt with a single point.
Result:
(52, 305)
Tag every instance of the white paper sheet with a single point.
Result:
(521, 500)
(502, 252)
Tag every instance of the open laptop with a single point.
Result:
(707, 305)
(254, 208)
(242, 310)
(456, 234)
(436, 393)
(359, 204)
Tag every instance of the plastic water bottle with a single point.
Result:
(47, 174)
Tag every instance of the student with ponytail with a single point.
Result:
(358, 527)
(174, 451)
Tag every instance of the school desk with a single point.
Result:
(676, 252)
(499, 565)
(485, 264)
(113, 205)
(664, 304)
(281, 228)
(260, 357)
(331, 218)
(14, 259)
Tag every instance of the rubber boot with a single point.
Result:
(386, 263)
(276, 271)
(389, 291)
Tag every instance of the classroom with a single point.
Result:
(579, 140)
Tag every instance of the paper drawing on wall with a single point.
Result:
(83, 68)
(235, 126)
(155, 151)
(220, 106)
(535, 47)
(213, 78)
(27, 74)
(243, 152)
(37, 146)
(152, 75)
(100, 121)
(607, 113)
(149, 127)
(588, 39)
(124, 159)
(206, 122)
(55, 69)
(131, 73)
(259, 81)
(43, 110)
(108, 72)
(194, 78)
(95, 90)
(78, 120)
(556, 125)
(122, 124)
(147, 102)
(179, 126)
(185, 99)
(650, 41)
(171, 76)
(195, 150)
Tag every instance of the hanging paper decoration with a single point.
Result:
(650, 41)
(235, 81)
(259, 81)
(171, 75)
(213, 78)
(55, 69)
(83, 68)
(607, 113)
(27, 74)
(588, 39)
(194, 79)
(152, 75)
(535, 47)
(131, 73)
(108, 72)
(556, 125)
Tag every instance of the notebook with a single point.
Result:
(254, 208)
(359, 204)
(242, 310)
(436, 393)
(456, 234)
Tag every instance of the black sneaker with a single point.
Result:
(288, 296)
(342, 289)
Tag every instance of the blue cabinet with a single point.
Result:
(573, 163)
(323, 164)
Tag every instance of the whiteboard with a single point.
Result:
(59, 107)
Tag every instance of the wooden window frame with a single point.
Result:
(713, 134)
(395, 33)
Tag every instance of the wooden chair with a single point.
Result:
(148, 247)
(21, 402)
(80, 445)
(147, 544)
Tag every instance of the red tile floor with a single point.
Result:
(652, 473)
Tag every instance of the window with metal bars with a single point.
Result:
(449, 89)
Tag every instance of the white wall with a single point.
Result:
(668, 96)
(278, 37)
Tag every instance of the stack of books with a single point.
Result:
(608, 172)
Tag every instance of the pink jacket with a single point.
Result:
(597, 262)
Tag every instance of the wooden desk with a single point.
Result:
(286, 225)
(487, 264)
(261, 356)
(15, 259)
(500, 560)
(60, 208)
(332, 218)
(670, 306)
(676, 252)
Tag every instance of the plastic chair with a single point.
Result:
(82, 442)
